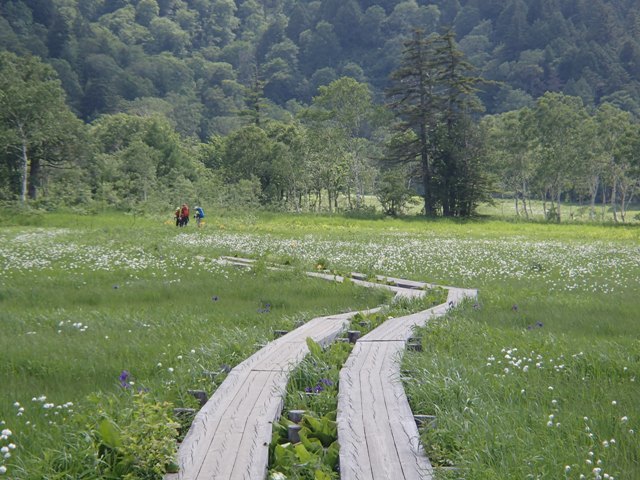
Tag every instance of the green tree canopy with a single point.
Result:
(37, 129)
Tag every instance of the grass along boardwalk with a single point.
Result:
(229, 436)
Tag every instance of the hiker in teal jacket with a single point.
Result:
(199, 215)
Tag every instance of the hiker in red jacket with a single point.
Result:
(184, 215)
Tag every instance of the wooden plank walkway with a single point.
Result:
(379, 439)
(229, 437)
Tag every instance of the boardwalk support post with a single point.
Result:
(184, 412)
(353, 335)
(296, 415)
(425, 421)
(200, 395)
(293, 433)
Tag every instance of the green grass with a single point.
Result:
(524, 402)
(82, 303)
(579, 280)
(571, 212)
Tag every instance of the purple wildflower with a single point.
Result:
(326, 381)
(124, 377)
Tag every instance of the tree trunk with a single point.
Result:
(627, 192)
(25, 172)
(614, 194)
(604, 200)
(296, 200)
(35, 169)
(358, 185)
(524, 199)
(426, 171)
(593, 192)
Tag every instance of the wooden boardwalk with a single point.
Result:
(229, 437)
(379, 438)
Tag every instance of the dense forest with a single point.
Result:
(197, 62)
(167, 99)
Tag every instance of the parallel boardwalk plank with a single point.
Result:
(379, 439)
(229, 436)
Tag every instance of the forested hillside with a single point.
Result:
(203, 63)
(313, 105)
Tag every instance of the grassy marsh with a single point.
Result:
(579, 281)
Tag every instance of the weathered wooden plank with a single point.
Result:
(240, 439)
(378, 436)
(351, 431)
(229, 436)
(378, 415)
(405, 292)
(401, 328)
(404, 430)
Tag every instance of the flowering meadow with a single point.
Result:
(555, 265)
(537, 379)
(106, 329)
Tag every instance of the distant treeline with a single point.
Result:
(293, 104)
(201, 64)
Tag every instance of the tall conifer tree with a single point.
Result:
(433, 96)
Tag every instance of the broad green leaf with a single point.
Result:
(303, 454)
(312, 444)
(283, 456)
(109, 434)
(320, 475)
(332, 456)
